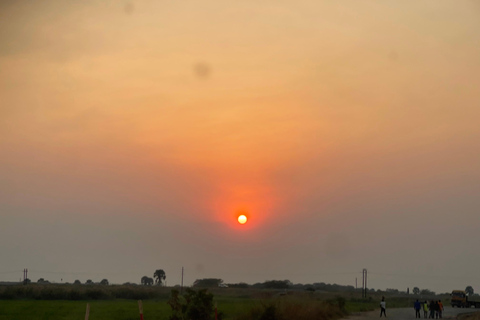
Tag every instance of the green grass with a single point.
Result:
(234, 304)
(105, 309)
(66, 310)
(231, 307)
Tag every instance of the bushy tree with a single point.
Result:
(426, 292)
(89, 281)
(277, 284)
(104, 282)
(199, 304)
(196, 305)
(146, 281)
(469, 290)
(207, 283)
(389, 290)
(77, 282)
(416, 290)
(178, 305)
(159, 276)
(239, 285)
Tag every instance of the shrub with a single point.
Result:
(296, 308)
(96, 294)
(196, 305)
(74, 295)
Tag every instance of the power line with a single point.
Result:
(6, 272)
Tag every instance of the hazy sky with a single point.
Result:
(132, 134)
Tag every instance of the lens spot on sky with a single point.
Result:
(129, 8)
(393, 56)
(202, 70)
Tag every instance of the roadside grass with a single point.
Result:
(301, 307)
(56, 303)
(360, 306)
(69, 310)
(230, 309)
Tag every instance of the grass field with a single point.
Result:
(233, 304)
(116, 309)
(232, 308)
(66, 310)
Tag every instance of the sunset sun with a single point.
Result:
(242, 219)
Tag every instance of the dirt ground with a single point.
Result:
(408, 314)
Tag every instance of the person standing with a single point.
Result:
(440, 308)
(417, 308)
(383, 307)
(425, 309)
(431, 307)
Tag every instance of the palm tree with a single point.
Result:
(159, 276)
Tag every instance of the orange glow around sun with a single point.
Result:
(254, 201)
(242, 219)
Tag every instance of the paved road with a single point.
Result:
(408, 314)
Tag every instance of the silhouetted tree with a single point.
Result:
(159, 276)
(199, 304)
(416, 290)
(104, 282)
(207, 283)
(239, 285)
(277, 284)
(77, 282)
(469, 290)
(196, 305)
(146, 281)
(178, 305)
(426, 292)
(89, 281)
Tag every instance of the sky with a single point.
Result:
(133, 133)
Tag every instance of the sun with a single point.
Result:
(242, 219)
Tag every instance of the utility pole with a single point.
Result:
(181, 288)
(25, 276)
(364, 283)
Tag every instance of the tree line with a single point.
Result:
(159, 279)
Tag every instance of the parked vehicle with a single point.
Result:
(461, 300)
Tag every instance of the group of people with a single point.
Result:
(434, 307)
(432, 310)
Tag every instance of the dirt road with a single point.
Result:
(408, 314)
